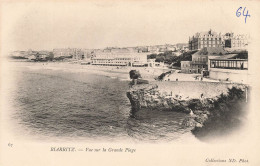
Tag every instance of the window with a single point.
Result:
(229, 64)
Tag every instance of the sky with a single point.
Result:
(100, 24)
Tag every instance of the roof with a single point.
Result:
(227, 56)
(229, 59)
(206, 33)
(211, 51)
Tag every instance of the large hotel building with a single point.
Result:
(211, 39)
(236, 41)
(205, 39)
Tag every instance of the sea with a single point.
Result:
(70, 104)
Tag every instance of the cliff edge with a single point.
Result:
(207, 103)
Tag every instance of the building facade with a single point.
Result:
(120, 59)
(186, 67)
(205, 39)
(74, 53)
(234, 70)
(235, 41)
(199, 61)
(198, 64)
(63, 52)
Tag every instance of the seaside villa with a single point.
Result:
(199, 61)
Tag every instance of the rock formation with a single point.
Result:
(204, 110)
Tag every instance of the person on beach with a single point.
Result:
(191, 112)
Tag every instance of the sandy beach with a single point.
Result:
(119, 72)
(110, 71)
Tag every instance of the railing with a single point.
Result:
(237, 64)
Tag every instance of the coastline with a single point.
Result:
(183, 96)
(121, 73)
(212, 106)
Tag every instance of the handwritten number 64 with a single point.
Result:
(238, 13)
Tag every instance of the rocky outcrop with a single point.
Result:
(150, 97)
(202, 110)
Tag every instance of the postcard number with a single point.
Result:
(238, 13)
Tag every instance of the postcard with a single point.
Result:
(129, 83)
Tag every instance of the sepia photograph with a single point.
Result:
(104, 79)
